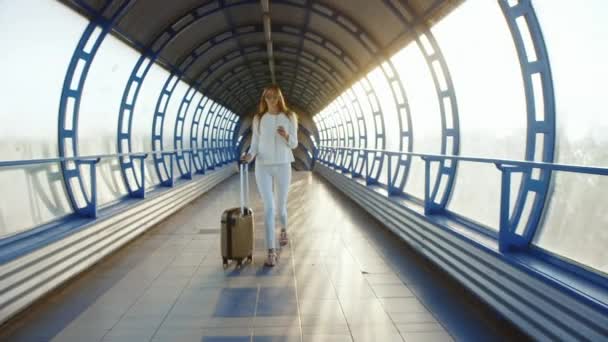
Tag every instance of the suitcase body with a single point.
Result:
(237, 237)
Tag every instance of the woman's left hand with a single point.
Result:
(282, 132)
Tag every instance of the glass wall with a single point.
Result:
(39, 38)
(192, 109)
(424, 109)
(143, 115)
(576, 218)
(478, 47)
(99, 109)
(33, 64)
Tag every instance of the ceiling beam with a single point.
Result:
(268, 36)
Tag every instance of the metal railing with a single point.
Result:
(90, 209)
(507, 235)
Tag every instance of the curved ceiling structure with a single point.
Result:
(313, 49)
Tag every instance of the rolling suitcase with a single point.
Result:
(237, 227)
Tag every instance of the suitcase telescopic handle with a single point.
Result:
(244, 176)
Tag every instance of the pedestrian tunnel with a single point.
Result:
(449, 179)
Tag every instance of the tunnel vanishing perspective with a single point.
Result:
(473, 131)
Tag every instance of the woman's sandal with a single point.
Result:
(271, 261)
(283, 239)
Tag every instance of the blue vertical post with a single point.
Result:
(507, 236)
(91, 208)
(140, 192)
(505, 195)
(169, 182)
(427, 178)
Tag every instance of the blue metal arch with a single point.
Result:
(226, 132)
(69, 104)
(450, 125)
(398, 178)
(358, 158)
(332, 134)
(137, 78)
(235, 78)
(515, 233)
(226, 79)
(323, 137)
(330, 46)
(213, 136)
(405, 143)
(195, 126)
(207, 138)
(259, 82)
(342, 135)
(300, 47)
(170, 85)
(230, 132)
(234, 33)
(223, 132)
(346, 118)
(368, 42)
(372, 177)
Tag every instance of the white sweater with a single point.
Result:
(267, 146)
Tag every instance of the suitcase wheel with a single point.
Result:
(225, 261)
(239, 262)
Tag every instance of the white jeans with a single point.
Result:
(265, 175)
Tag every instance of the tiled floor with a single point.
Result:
(342, 278)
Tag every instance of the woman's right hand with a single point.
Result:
(246, 157)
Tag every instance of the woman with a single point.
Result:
(275, 134)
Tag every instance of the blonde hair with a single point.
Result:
(263, 106)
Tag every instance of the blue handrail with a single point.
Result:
(89, 209)
(508, 237)
(25, 162)
(594, 170)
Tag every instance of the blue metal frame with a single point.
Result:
(330, 46)
(213, 136)
(233, 79)
(398, 178)
(321, 139)
(223, 133)
(178, 136)
(377, 161)
(216, 133)
(230, 133)
(450, 124)
(505, 235)
(199, 157)
(138, 76)
(368, 42)
(235, 133)
(324, 140)
(332, 132)
(342, 135)
(344, 114)
(300, 47)
(259, 85)
(521, 238)
(218, 64)
(74, 221)
(236, 78)
(69, 104)
(358, 158)
(206, 135)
